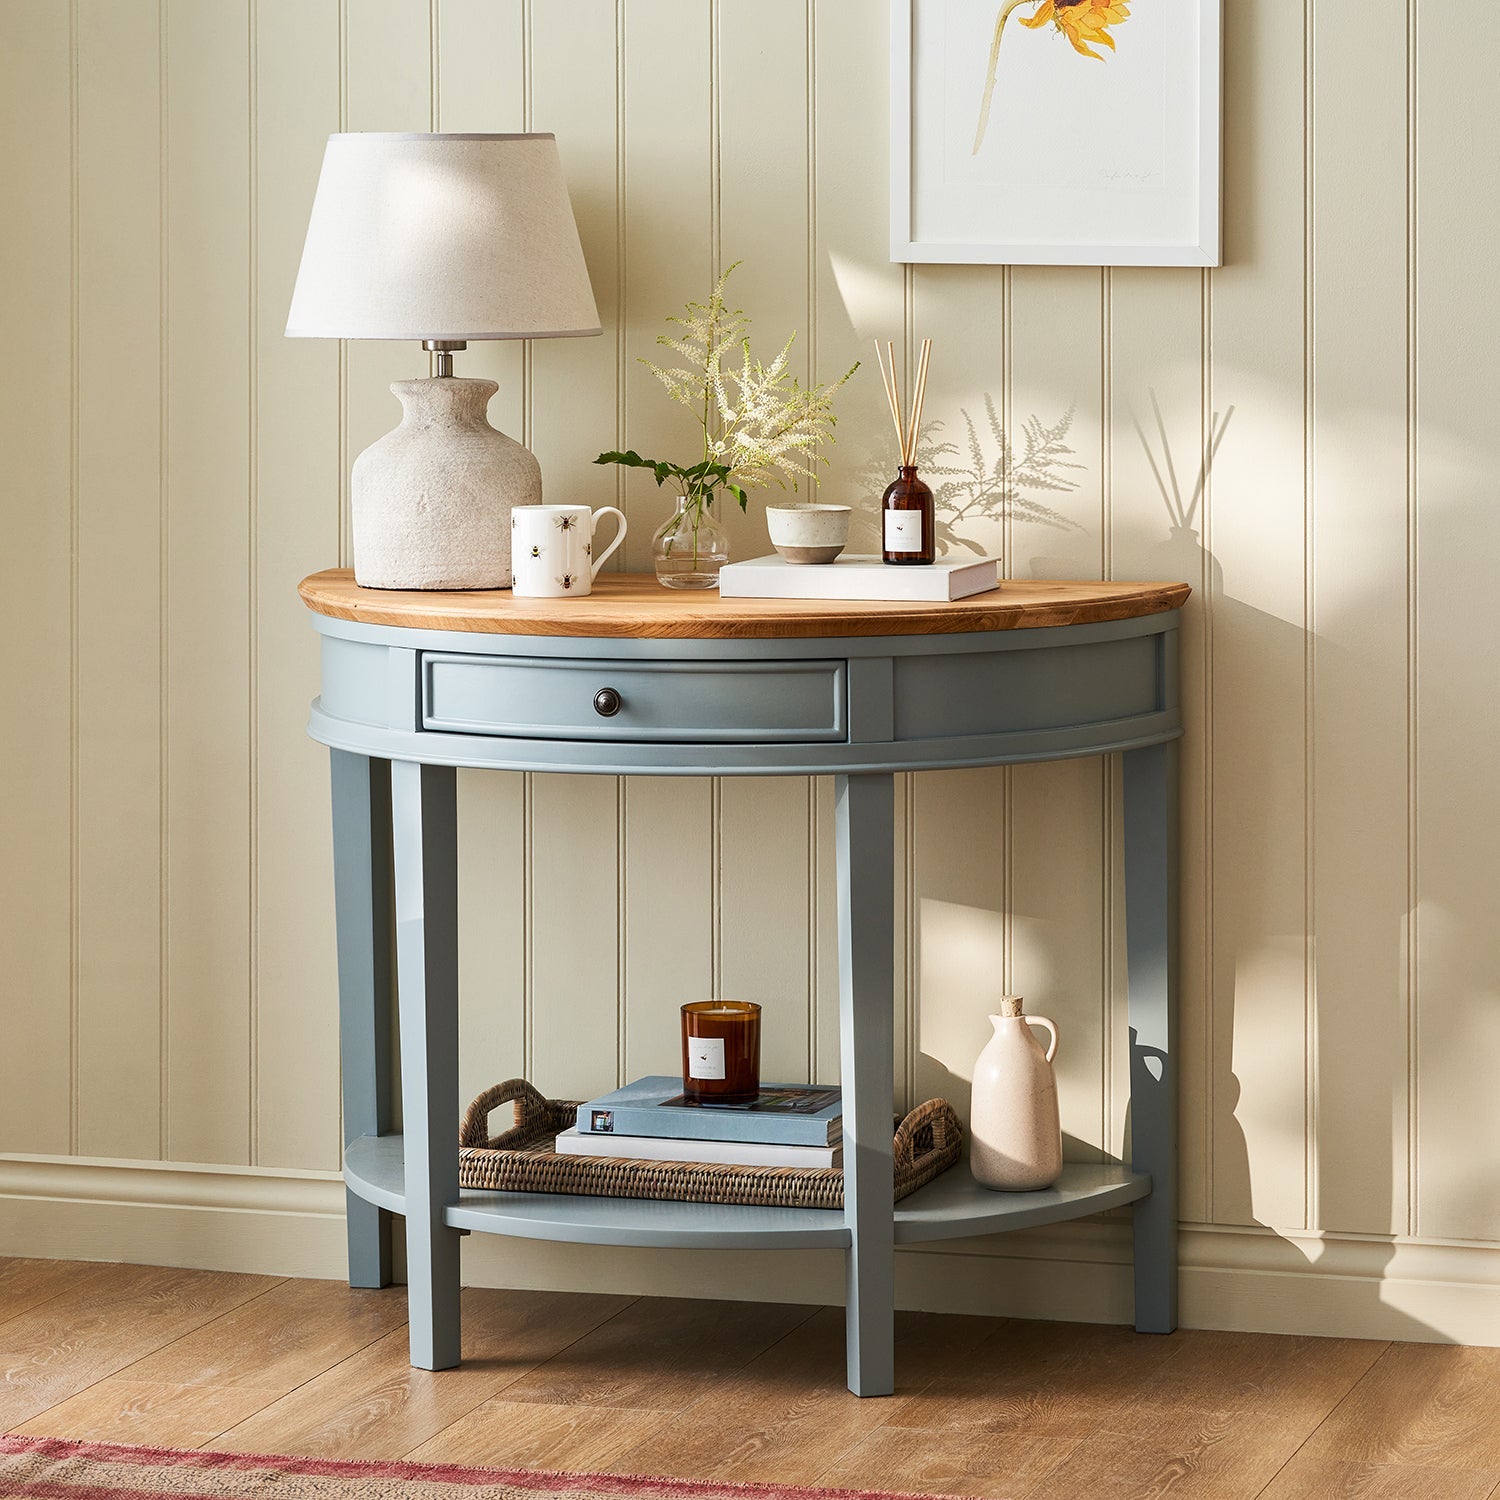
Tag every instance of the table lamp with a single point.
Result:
(443, 239)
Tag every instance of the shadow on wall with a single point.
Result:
(979, 482)
(1258, 640)
(988, 487)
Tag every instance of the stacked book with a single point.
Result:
(785, 1125)
(855, 576)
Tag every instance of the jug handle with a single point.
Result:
(1052, 1031)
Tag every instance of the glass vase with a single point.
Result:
(690, 547)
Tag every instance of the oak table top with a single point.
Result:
(635, 605)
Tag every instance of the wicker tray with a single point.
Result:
(523, 1160)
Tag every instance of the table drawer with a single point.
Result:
(685, 702)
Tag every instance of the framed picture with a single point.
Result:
(1055, 132)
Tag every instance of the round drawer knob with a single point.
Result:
(607, 703)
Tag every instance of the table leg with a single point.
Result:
(866, 832)
(362, 910)
(1151, 958)
(425, 826)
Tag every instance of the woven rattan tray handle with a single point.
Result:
(531, 1110)
(911, 1145)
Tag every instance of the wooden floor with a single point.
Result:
(730, 1391)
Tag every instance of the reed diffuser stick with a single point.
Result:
(890, 350)
(890, 396)
(919, 396)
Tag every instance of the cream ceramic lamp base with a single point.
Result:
(432, 499)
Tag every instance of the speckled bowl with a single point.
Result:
(809, 533)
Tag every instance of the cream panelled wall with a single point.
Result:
(173, 466)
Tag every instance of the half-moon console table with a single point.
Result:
(638, 680)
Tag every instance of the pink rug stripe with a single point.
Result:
(614, 1486)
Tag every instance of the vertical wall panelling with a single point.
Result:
(1358, 624)
(860, 296)
(1458, 621)
(960, 922)
(206, 771)
(574, 387)
(958, 856)
(479, 80)
(37, 395)
(579, 1024)
(390, 78)
(296, 475)
(1056, 829)
(762, 135)
(575, 1010)
(119, 643)
(667, 896)
(492, 922)
(668, 240)
(662, 252)
(1257, 549)
(823, 1034)
(574, 90)
(1156, 514)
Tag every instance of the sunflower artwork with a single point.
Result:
(1085, 23)
(1056, 132)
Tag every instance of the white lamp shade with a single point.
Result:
(451, 237)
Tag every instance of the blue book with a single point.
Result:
(790, 1114)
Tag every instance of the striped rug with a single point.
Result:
(55, 1469)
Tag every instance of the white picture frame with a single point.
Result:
(1147, 205)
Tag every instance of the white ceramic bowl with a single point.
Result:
(809, 533)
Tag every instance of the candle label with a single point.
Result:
(706, 1057)
(903, 531)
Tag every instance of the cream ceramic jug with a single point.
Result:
(1015, 1138)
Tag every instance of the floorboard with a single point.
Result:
(790, 1405)
(659, 1354)
(61, 1346)
(374, 1405)
(25, 1283)
(739, 1392)
(533, 1435)
(1431, 1405)
(1333, 1479)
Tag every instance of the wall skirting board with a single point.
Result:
(285, 1222)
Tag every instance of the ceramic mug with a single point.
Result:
(552, 549)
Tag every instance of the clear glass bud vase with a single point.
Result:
(690, 547)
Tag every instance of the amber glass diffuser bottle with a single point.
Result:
(907, 520)
(720, 1052)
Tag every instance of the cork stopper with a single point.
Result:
(1010, 1005)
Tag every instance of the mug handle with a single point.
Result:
(608, 510)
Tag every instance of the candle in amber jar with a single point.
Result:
(720, 1051)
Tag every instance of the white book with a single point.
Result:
(573, 1142)
(858, 576)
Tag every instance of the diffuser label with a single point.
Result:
(705, 1057)
(903, 531)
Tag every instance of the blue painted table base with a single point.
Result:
(396, 874)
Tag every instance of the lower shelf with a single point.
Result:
(952, 1207)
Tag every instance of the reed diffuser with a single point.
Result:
(908, 524)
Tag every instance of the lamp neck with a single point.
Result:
(442, 352)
